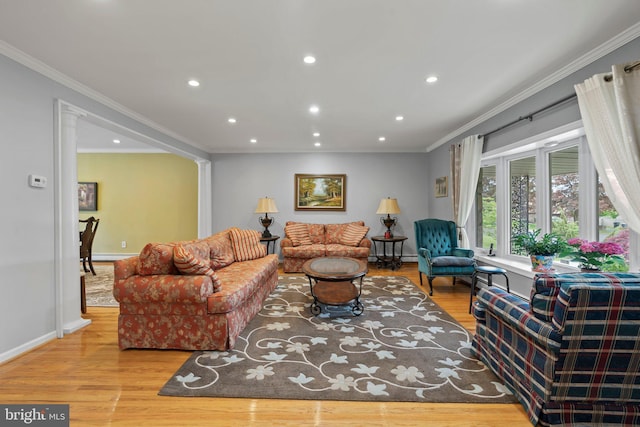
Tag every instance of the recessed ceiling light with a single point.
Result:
(399, 118)
(253, 140)
(231, 120)
(314, 109)
(116, 141)
(317, 144)
(432, 79)
(316, 134)
(309, 59)
(194, 83)
(382, 139)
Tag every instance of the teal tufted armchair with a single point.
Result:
(438, 252)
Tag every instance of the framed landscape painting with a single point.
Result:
(320, 192)
(88, 196)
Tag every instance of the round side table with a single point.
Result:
(271, 241)
(390, 260)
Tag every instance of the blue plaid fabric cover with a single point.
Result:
(580, 368)
(544, 294)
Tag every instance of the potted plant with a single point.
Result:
(596, 256)
(541, 248)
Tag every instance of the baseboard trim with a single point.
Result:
(76, 325)
(111, 257)
(28, 346)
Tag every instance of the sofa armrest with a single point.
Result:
(515, 313)
(124, 268)
(286, 242)
(163, 288)
(425, 253)
(468, 253)
(365, 243)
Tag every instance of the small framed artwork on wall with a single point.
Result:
(88, 196)
(442, 186)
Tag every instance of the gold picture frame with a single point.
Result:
(320, 192)
(442, 186)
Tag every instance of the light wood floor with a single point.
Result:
(106, 386)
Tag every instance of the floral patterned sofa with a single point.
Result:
(572, 355)
(304, 241)
(196, 295)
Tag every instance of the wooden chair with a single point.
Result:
(86, 242)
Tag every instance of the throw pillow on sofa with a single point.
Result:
(353, 234)
(221, 251)
(156, 258)
(193, 259)
(334, 232)
(298, 233)
(246, 245)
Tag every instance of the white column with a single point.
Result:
(68, 288)
(204, 198)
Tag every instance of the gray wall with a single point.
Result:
(26, 216)
(240, 179)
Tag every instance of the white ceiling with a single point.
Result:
(372, 60)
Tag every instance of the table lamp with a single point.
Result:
(388, 206)
(267, 206)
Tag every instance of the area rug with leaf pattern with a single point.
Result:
(403, 347)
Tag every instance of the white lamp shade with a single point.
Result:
(266, 205)
(388, 206)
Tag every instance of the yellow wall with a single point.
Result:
(142, 198)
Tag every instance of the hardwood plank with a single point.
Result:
(106, 386)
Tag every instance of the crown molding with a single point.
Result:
(122, 151)
(609, 46)
(40, 67)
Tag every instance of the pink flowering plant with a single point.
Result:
(603, 256)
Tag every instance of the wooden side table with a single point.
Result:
(390, 260)
(270, 241)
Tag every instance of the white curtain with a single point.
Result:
(610, 109)
(465, 169)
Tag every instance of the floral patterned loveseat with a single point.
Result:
(304, 241)
(196, 295)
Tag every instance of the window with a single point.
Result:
(547, 182)
(522, 208)
(486, 226)
(611, 227)
(565, 192)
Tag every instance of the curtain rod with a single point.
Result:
(530, 115)
(627, 69)
(631, 67)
